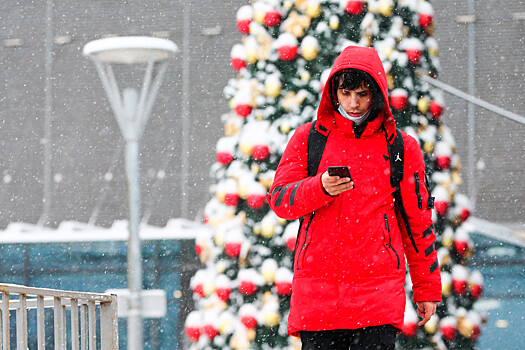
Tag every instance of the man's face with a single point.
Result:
(355, 102)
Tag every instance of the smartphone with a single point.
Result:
(341, 171)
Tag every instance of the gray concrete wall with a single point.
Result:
(86, 143)
(499, 79)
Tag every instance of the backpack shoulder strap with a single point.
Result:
(315, 148)
(396, 153)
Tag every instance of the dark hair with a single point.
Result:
(351, 79)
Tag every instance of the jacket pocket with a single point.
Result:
(388, 243)
(306, 241)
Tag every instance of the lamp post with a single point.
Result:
(132, 109)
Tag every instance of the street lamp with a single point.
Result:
(132, 109)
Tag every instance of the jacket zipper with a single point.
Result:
(419, 199)
(389, 240)
(303, 247)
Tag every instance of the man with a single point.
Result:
(349, 263)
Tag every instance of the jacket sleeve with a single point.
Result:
(293, 193)
(420, 249)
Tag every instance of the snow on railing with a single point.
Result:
(83, 322)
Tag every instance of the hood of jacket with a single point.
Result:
(367, 60)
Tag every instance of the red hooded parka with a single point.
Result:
(349, 264)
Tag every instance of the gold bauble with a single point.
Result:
(257, 229)
(268, 276)
(266, 181)
(386, 8)
(246, 148)
(258, 16)
(282, 222)
(313, 10)
(390, 81)
(309, 53)
(456, 178)
(272, 90)
(433, 51)
(388, 52)
(428, 147)
(219, 239)
(285, 128)
(465, 327)
(447, 242)
(271, 319)
(250, 334)
(423, 105)
(231, 127)
(243, 190)
(446, 288)
(268, 230)
(255, 168)
(305, 75)
(431, 326)
(251, 56)
(334, 23)
(288, 4)
(220, 196)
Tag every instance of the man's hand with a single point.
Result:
(425, 309)
(333, 185)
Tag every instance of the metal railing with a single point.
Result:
(83, 320)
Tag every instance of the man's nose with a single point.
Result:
(354, 101)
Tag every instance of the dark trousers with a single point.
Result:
(369, 338)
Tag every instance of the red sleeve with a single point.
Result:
(422, 258)
(293, 193)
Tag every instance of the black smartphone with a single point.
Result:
(341, 171)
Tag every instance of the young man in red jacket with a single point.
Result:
(349, 263)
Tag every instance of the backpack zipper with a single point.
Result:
(389, 240)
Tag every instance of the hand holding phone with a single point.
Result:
(341, 171)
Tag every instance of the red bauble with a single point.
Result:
(199, 290)
(399, 102)
(247, 287)
(256, 201)
(436, 110)
(461, 247)
(449, 331)
(231, 199)
(210, 331)
(287, 53)
(443, 162)
(272, 18)
(223, 293)
(243, 110)
(194, 333)
(355, 7)
(243, 25)
(409, 329)
(476, 290)
(465, 214)
(232, 249)
(476, 332)
(260, 152)
(198, 249)
(290, 243)
(238, 63)
(441, 207)
(205, 219)
(249, 321)
(283, 288)
(425, 20)
(224, 158)
(460, 286)
(414, 55)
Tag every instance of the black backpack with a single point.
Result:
(396, 154)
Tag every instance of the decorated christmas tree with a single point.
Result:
(285, 51)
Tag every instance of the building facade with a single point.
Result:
(62, 152)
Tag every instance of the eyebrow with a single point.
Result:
(363, 90)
